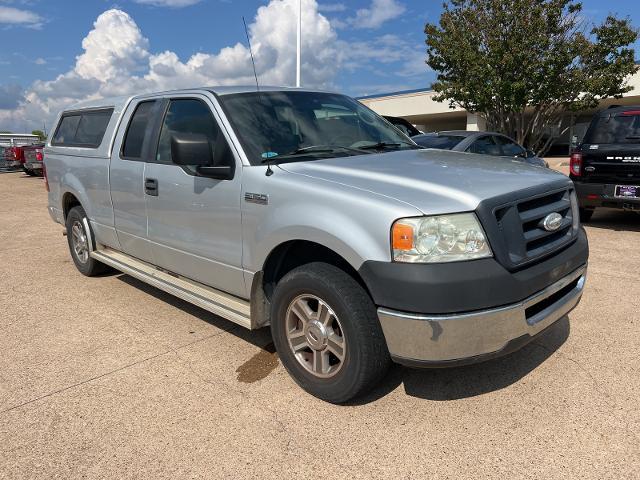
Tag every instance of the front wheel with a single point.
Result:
(327, 333)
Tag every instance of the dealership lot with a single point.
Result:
(108, 377)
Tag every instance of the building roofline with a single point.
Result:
(399, 92)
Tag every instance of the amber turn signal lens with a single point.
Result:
(402, 236)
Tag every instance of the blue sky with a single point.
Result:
(367, 46)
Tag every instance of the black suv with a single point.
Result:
(605, 168)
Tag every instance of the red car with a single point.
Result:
(32, 159)
(14, 156)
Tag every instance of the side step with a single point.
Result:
(221, 303)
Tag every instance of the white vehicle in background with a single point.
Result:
(17, 139)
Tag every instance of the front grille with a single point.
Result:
(517, 230)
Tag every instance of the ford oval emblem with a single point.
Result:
(552, 222)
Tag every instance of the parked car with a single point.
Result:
(486, 143)
(353, 244)
(404, 126)
(32, 159)
(605, 168)
(15, 156)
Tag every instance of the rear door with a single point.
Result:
(611, 149)
(195, 222)
(131, 152)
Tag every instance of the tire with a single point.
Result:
(31, 173)
(350, 328)
(79, 244)
(586, 214)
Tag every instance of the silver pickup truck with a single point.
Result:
(306, 211)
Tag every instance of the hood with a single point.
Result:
(433, 181)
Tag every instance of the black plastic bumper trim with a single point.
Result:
(466, 286)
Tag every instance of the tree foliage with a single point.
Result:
(522, 63)
(40, 134)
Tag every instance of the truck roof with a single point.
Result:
(121, 101)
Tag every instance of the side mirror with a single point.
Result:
(191, 149)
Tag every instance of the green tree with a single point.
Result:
(40, 134)
(522, 64)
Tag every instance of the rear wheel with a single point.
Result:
(80, 243)
(326, 330)
(586, 214)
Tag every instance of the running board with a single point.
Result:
(221, 303)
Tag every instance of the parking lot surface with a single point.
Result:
(109, 378)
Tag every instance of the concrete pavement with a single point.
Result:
(109, 378)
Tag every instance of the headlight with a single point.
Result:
(437, 239)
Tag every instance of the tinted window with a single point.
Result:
(509, 147)
(186, 116)
(444, 142)
(66, 132)
(485, 145)
(85, 129)
(134, 137)
(404, 126)
(619, 128)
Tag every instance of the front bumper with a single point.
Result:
(592, 195)
(454, 339)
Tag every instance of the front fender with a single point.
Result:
(353, 223)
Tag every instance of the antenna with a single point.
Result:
(246, 31)
(298, 41)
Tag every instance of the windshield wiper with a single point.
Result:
(381, 145)
(311, 150)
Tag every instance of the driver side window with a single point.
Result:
(191, 116)
(510, 148)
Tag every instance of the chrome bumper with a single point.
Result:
(449, 339)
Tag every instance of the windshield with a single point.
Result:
(444, 142)
(307, 125)
(620, 128)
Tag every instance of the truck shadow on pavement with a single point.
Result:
(455, 383)
(617, 220)
(430, 384)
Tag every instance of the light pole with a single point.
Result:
(298, 42)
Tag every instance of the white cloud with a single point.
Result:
(379, 12)
(40, 61)
(168, 3)
(117, 60)
(16, 16)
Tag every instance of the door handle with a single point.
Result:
(151, 187)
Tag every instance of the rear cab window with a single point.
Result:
(82, 129)
(621, 127)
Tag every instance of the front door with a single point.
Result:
(194, 222)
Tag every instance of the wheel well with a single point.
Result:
(68, 202)
(289, 255)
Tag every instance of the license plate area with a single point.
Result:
(627, 191)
